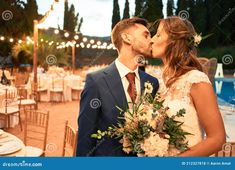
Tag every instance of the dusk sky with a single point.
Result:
(97, 14)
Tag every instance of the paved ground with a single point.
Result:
(59, 113)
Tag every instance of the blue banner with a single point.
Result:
(118, 163)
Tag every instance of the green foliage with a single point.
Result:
(71, 22)
(170, 6)
(126, 12)
(18, 22)
(139, 7)
(20, 18)
(23, 53)
(116, 13)
(218, 53)
(134, 130)
(211, 16)
(31, 11)
(153, 10)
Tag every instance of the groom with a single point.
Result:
(117, 85)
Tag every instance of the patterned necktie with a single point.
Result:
(131, 88)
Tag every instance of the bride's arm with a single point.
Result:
(205, 102)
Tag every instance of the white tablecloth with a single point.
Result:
(45, 81)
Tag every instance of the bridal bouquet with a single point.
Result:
(146, 129)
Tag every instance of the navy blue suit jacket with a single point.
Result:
(103, 91)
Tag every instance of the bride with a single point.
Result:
(186, 86)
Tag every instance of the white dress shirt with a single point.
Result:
(123, 71)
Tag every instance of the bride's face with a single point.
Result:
(159, 42)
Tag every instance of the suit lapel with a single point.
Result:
(142, 81)
(115, 86)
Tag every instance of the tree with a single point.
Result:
(126, 12)
(153, 10)
(23, 53)
(80, 25)
(14, 21)
(181, 5)
(213, 13)
(71, 18)
(139, 7)
(13, 18)
(66, 14)
(116, 13)
(199, 20)
(170, 6)
(31, 13)
(226, 23)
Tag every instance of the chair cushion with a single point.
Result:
(33, 151)
(27, 102)
(42, 89)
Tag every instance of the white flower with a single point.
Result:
(155, 146)
(148, 88)
(149, 115)
(126, 145)
(197, 39)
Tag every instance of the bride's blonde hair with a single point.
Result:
(181, 54)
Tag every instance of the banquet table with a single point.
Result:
(11, 145)
(46, 81)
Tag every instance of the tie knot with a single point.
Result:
(130, 77)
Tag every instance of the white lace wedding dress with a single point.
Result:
(178, 97)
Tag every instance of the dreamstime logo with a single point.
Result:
(140, 60)
(7, 15)
(227, 147)
(143, 11)
(98, 56)
(94, 148)
(51, 59)
(183, 14)
(95, 103)
(227, 59)
(51, 147)
(227, 15)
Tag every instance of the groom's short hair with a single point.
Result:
(123, 25)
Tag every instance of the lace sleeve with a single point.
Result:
(196, 76)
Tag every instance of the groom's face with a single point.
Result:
(141, 40)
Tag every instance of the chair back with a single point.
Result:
(36, 128)
(10, 99)
(70, 141)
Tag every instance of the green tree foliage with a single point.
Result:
(153, 10)
(170, 7)
(211, 16)
(181, 5)
(116, 13)
(23, 53)
(31, 11)
(139, 7)
(199, 20)
(16, 20)
(71, 22)
(126, 12)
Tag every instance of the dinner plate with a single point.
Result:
(9, 147)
